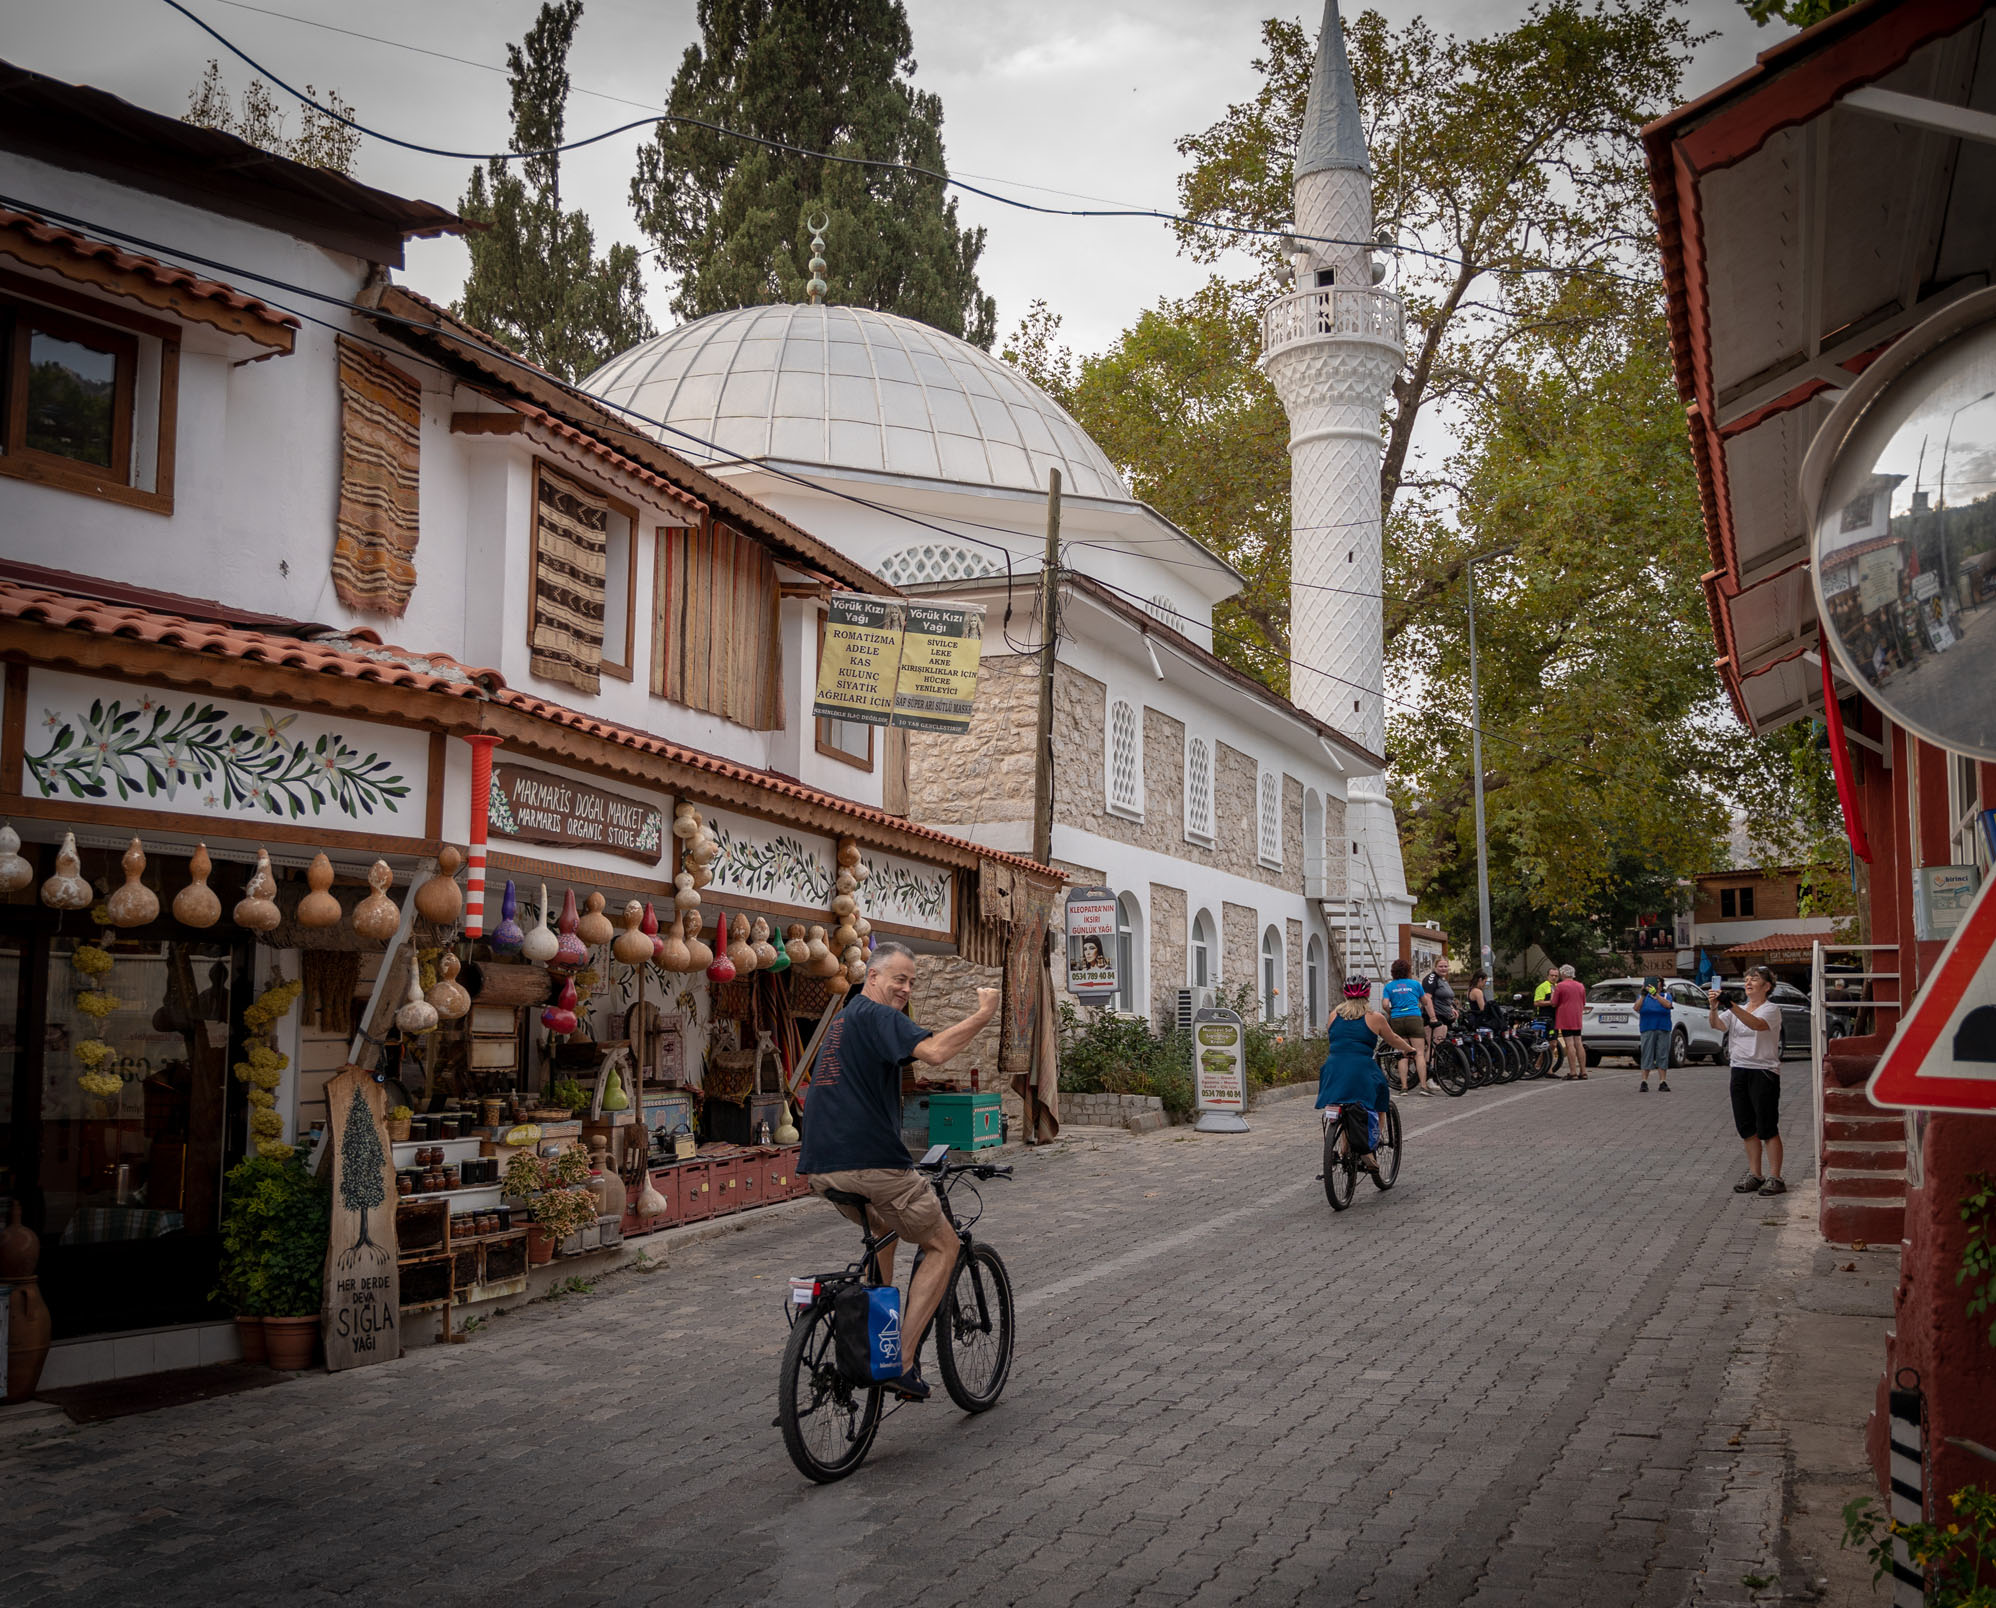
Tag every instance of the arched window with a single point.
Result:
(1199, 790)
(1313, 983)
(1129, 954)
(1271, 975)
(1205, 959)
(1126, 771)
(936, 561)
(1314, 882)
(1268, 819)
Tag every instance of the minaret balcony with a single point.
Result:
(1347, 312)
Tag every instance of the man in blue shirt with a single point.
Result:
(852, 1131)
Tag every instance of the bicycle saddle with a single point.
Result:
(845, 1197)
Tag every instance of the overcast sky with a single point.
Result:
(1047, 95)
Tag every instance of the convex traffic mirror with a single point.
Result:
(1905, 530)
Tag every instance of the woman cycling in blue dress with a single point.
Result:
(1350, 1075)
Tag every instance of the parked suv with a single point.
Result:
(1609, 1025)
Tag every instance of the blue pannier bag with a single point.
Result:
(866, 1329)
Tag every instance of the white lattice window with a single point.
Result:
(936, 561)
(1268, 820)
(1161, 610)
(1126, 769)
(1199, 790)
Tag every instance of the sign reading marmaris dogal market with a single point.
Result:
(533, 806)
(888, 662)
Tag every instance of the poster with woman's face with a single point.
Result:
(1091, 927)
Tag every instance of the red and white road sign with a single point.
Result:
(1943, 1057)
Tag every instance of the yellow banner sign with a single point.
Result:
(940, 655)
(862, 653)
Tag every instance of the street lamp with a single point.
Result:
(1476, 766)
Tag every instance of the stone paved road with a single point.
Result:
(1520, 1378)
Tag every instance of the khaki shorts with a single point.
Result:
(901, 1199)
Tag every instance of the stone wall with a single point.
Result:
(945, 992)
(1294, 1004)
(1240, 947)
(1168, 923)
(1140, 1113)
(986, 775)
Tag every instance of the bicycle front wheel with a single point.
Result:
(1449, 1071)
(974, 1331)
(1388, 1153)
(828, 1422)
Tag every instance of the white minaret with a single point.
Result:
(1331, 347)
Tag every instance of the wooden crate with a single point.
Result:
(727, 1185)
(696, 1191)
(426, 1282)
(422, 1226)
(752, 1176)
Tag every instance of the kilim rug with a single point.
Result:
(374, 544)
(571, 545)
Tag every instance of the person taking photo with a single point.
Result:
(1753, 1041)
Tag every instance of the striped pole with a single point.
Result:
(1906, 1438)
(481, 799)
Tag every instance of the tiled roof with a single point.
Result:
(25, 226)
(361, 656)
(1782, 943)
(608, 455)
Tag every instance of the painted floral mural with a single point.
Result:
(793, 871)
(146, 747)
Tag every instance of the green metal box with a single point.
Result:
(965, 1121)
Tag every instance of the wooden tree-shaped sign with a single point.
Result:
(363, 1289)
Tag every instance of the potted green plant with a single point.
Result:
(559, 1217)
(275, 1220)
(398, 1123)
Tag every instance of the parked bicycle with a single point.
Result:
(829, 1413)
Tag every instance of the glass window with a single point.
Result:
(1615, 993)
(1271, 975)
(1202, 951)
(1313, 983)
(71, 399)
(1129, 955)
(1726, 904)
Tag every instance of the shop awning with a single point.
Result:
(1803, 229)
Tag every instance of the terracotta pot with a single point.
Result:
(540, 1247)
(291, 1342)
(249, 1335)
(20, 1247)
(28, 1330)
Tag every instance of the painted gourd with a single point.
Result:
(614, 1097)
(631, 946)
(541, 945)
(765, 951)
(507, 936)
(570, 954)
(133, 904)
(257, 909)
(439, 900)
(16, 870)
(595, 929)
(196, 905)
(448, 996)
(319, 908)
(375, 918)
(417, 1014)
(559, 1018)
(722, 970)
(66, 889)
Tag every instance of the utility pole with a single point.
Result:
(1476, 766)
(1043, 731)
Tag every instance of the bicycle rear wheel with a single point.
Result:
(1388, 1153)
(1340, 1168)
(828, 1422)
(1447, 1069)
(974, 1331)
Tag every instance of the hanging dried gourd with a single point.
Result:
(133, 904)
(319, 909)
(541, 944)
(417, 1014)
(798, 947)
(687, 897)
(559, 1018)
(570, 955)
(16, 870)
(699, 956)
(740, 955)
(631, 946)
(822, 961)
(675, 954)
(649, 927)
(447, 996)
(722, 967)
(507, 936)
(765, 951)
(595, 929)
(196, 904)
(375, 918)
(439, 900)
(257, 909)
(66, 888)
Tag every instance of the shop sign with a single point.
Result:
(1878, 579)
(362, 1285)
(1941, 897)
(940, 656)
(762, 863)
(1219, 1071)
(108, 742)
(535, 806)
(862, 655)
(1091, 945)
(1925, 585)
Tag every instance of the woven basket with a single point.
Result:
(730, 1076)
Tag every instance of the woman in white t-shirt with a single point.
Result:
(1753, 1044)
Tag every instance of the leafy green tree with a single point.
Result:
(729, 218)
(536, 282)
(321, 141)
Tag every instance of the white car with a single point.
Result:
(1609, 1024)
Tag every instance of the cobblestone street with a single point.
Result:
(1525, 1376)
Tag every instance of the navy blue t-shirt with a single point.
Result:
(852, 1111)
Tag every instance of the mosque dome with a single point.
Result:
(851, 388)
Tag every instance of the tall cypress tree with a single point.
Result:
(729, 218)
(536, 281)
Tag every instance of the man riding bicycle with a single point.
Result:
(852, 1132)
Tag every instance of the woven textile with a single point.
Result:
(571, 545)
(718, 645)
(375, 532)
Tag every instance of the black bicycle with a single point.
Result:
(829, 1419)
(1346, 1130)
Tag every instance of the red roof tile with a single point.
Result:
(27, 227)
(1781, 943)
